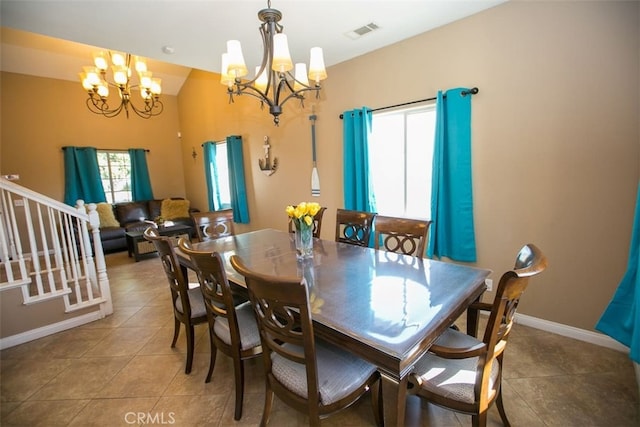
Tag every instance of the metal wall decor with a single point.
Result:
(267, 166)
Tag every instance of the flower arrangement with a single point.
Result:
(302, 218)
(302, 214)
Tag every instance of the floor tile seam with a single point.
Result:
(95, 399)
(87, 401)
(27, 398)
(515, 390)
(205, 396)
(104, 383)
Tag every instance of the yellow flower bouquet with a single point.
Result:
(302, 218)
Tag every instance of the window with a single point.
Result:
(115, 172)
(220, 174)
(400, 157)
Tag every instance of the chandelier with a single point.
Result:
(94, 81)
(273, 83)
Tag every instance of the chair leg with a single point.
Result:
(176, 332)
(238, 367)
(268, 402)
(479, 420)
(212, 360)
(190, 345)
(500, 405)
(376, 402)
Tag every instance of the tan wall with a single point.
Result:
(555, 138)
(206, 115)
(40, 116)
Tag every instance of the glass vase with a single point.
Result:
(304, 242)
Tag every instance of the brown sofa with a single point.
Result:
(131, 217)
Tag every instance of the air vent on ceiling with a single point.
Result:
(359, 32)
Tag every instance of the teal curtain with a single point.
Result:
(211, 176)
(140, 182)
(236, 180)
(621, 318)
(452, 232)
(358, 188)
(82, 176)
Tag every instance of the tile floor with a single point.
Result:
(107, 372)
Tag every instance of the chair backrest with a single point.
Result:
(401, 235)
(214, 224)
(177, 281)
(354, 227)
(317, 223)
(530, 261)
(283, 313)
(216, 292)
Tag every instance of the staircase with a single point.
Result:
(52, 270)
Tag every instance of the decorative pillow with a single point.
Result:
(105, 213)
(174, 209)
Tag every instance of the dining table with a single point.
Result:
(384, 307)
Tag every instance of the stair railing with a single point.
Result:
(51, 250)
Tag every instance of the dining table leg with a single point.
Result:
(394, 399)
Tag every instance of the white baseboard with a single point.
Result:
(571, 332)
(44, 331)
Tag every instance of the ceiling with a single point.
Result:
(55, 39)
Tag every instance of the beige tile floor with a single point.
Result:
(107, 372)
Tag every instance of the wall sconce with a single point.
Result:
(193, 153)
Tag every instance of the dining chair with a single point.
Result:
(214, 224)
(463, 373)
(354, 227)
(232, 328)
(188, 304)
(401, 235)
(317, 222)
(305, 372)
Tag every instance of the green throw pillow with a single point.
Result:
(174, 209)
(105, 213)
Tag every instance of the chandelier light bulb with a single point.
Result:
(91, 75)
(120, 74)
(317, 71)
(281, 57)
(145, 93)
(141, 65)
(300, 76)
(85, 83)
(101, 61)
(145, 79)
(261, 80)
(156, 86)
(237, 66)
(118, 59)
(225, 77)
(103, 89)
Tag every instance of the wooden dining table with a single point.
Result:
(384, 307)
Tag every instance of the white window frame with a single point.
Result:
(391, 149)
(114, 189)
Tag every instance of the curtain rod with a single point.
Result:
(471, 91)
(214, 142)
(109, 149)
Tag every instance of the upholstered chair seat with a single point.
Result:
(197, 303)
(341, 373)
(249, 335)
